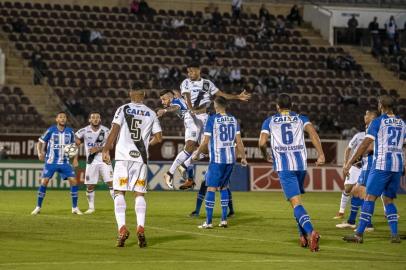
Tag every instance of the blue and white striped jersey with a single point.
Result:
(389, 134)
(200, 91)
(56, 141)
(354, 143)
(288, 146)
(180, 102)
(222, 130)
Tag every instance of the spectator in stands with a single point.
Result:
(38, 65)
(166, 24)
(236, 6)
(145, 10)
(240, 42)
(280, 27)
(163, 75)
(352, 30)
(19, 25)
(348, 133)
(174, 75)
(294, 15)
(208, 14)
(4, 150)
(264, 33)
(193, 52)
(373, 28)
(216, 20)
(95, 37)
(178, 23)
(211, 53)
(346, 98)
(235, 75)
(74, 106)
(391, 35)
(214, 72)
(264, 13)
(84, 36)
(135, 7)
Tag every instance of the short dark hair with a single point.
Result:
(93, 112)
(373, 111)
(387, 101)
(193, 65)
(166, 91)
(284, 101)
(221, 101)
(60, 112)
(137, 86)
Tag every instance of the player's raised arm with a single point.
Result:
(241, 149)
(111, 139)
(243, 96)
(360, 151)
(314, 137)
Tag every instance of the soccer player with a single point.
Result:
(197, 93)
(286, 133)
(358, 192)
(221, 138)
(388, 132)
(55, 139)
(94, 137)
(131, 130)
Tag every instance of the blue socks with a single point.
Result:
(210, 199)
(74, 194)
(191, 172)
(41, 194)
(365, 218)
(230, 201)
(224, 203)
(303, 219)
(392, 216)
(300, 229)
(356, 203)
(200, 196)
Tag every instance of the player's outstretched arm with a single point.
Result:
(40, 150)
(156, 139)
(360, 151)
(347, 153)
(314, 137)
(243, 96)
(115, 129)
(241, 150)
(170, 109)
(262, 143)
(188, 100)
(203, 148)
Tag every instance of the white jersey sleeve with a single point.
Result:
(119, 116)
(353, 142)
(80, 134)
(212, 88)
(156, 126)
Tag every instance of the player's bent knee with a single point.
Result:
(190, 146)
(370, 197)
(90, 188)
(295, 201)
(214, 189)
(348, 188)
(387, 200)
(136, 194)
(45, 181)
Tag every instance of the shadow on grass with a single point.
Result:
(152, 241)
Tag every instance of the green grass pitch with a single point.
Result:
(262, 235)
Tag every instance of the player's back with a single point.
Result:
(286, 131)
(222, 129)
(389, 134)
(56, 141)
(137, 123)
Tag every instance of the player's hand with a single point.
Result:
(160, 112)
(93, 150)
(75, 163)
(41, 156)
(106, 157)
(346, 170)
(320, 160)
(244, 95)
(244, 162)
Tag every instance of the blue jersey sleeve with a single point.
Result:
(72, 136)
(373, 128)
(208, 130)
(304, 119)
(46, 136)
(176, 102)
(266, 126)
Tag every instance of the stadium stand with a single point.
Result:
(322, 80)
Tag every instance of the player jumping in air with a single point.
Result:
(55, 139)
(388, 132)
(285, 130)
(221, 138)
(197, 93)
(358, 192)
(131, 130)
(94, 137)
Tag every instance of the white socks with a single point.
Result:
(345, 197)
(119, 210)
(90, 199)
(140, 209)
(180, 159)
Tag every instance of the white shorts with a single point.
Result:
(95, 171)
(352, 179)
(194, 126)
(130, 176)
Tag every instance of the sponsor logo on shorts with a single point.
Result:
(123, 181)
(140, 183)
(134, 154)
(194, 133)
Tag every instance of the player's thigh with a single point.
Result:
(226, 175)
(289, 183)
(353, 177)
(213, 175)
(301, 176)
(362, 179)
(91, 174)
(377, 182)
(120, 176)
(48, 171)
(106, 172)
(137, 177)
(392, 185)
(191, 130)
(66, 171)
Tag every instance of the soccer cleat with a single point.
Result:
(339, 216)
(346, 225)
(168, 180)
(355, 238)
(223, 224)
(314, 241)
(395, 239)
(231, 214)
(194, 214)
(123, 235)
(303, 241)
(205, 226)
(90, 211)
(189, 183)
(36, 211)
(142, 242)
(183, 171)
(76, 211)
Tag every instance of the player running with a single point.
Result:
(197, 93)
(389, 134)
(55, 139)
(94, 137)
(222, 137)
(358, 192)
(286, 133)
(131, 130)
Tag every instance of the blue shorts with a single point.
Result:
(383, 182)
(363, 177)
(65, 171)
(218, 175)
(292, 182)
